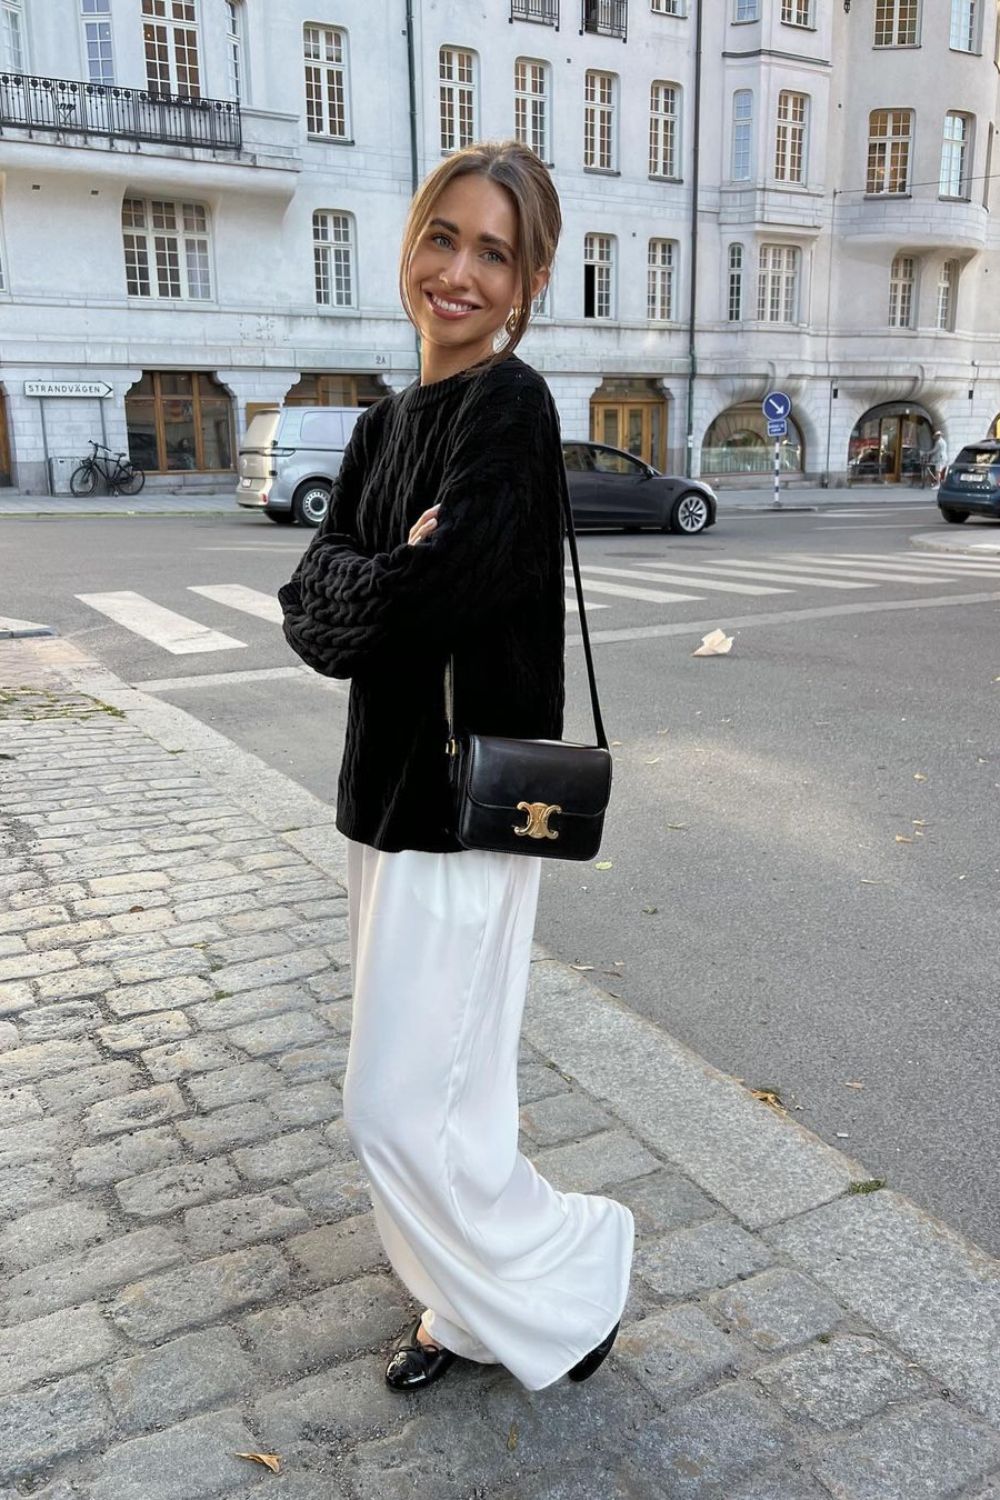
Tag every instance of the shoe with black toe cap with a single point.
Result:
(413, 1365)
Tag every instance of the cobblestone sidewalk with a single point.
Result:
(189, 1269)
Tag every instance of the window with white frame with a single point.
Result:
(457, 97)
(778, 284)
(741, 163)
(661, 280)
(796, 12)
(790, 137)
(902, 280)
(889, 134)
(327, 100)
(897, 23)
(540, 306)
(235, 14)
(97, 44)
(12, 49)
(746, 10)
(964, 32)
(598, 276)
(734, 307)
(3, 280)
(166, 249)
(170, 44)
(531, 105)
(333, 258)
(947, 289)
(956, 156)
(668, 7)
(599, 121)
(664, 116)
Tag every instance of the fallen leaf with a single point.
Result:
(617, 742)
(716, 643)
(582, 968)
(853, 1085)
(269, 1460)
(920, 822)
(842, 1135)
(871, 882)
(919, 776)
(650, 911)
(676, 826)
(512, 1437)
(902, 838)
(667, 731)
(654, 762)
(136, 908)
(604, 864)
(770, 1098)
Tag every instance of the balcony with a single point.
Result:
(605, 17)
(914, 223)
(63, 107)
(545, 12)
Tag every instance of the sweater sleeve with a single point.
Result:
(349, 608)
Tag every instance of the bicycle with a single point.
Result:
(926, 474)
(123, 479)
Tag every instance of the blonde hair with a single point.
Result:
(529, 183)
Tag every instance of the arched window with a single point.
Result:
(179, 419)
(333, 388)
(327, 97)
(902, 281)
(738, 443)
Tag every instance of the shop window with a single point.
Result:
(738, 443)
(179, 420)
(335, 389)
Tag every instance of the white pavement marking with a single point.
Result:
(869, 526)
(780, 617)
(236, 679)
(784, 576)
(696, 580)
(8, 623)
(238, 596)
(873, 572)
(255, 547)
(571, 604)
(941, 563)
(648, 596)
(175, 633)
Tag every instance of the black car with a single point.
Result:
(971, 485)
(610, 488)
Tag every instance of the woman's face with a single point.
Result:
(463, 276)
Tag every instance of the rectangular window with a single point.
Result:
(333, 258)
(735, 308)
(663, 128)
(598, 276)
(599, 121)
(778, 284)
(964, 25)
(325, 49)
(746, 10)
(166, 249)
(12, 55)
(668, 7)
(97, 41)
(234, 48)
(796, 12)
(660, 280)
(457, 82)
(606, 17)
(956, 156)
(170, 43)
(947, 287)
(897, 23)
(742, 153)
(790, 138)
(540, 306)
(531, 105)
(902, 278)
(545, 12)
(889, 132)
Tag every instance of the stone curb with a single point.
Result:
(929, 541)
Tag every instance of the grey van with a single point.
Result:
(289, 459)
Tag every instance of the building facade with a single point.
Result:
(201, 203)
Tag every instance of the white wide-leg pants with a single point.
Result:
(511, 1270)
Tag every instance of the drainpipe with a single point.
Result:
(693, 272)
(411, 68)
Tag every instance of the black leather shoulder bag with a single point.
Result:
(544, 797)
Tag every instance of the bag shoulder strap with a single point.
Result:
(449, 676)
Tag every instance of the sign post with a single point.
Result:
(776, 407)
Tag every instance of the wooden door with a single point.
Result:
(637, 427)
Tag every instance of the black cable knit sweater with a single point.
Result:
(487, 586)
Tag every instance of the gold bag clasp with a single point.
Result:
(537, 826)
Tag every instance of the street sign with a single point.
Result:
(98, 389)
(778, 428)
(776, 405)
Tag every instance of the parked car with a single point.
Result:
(289, 459)
(971, 485)
(608, 487)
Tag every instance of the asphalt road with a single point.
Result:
(804, 864)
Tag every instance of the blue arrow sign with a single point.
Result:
(776, 406)
(777, 428)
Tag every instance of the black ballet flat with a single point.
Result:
(413, 1365)
(589, 1363)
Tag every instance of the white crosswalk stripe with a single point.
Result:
(573, 607)
(237, 596)
(784, 576)
(175, 633)
(867, 574)
(622, 591)
(907, 572)
(696, 580)
(959, 564)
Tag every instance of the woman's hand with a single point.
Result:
(424, 526)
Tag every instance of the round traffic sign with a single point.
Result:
(776, 405)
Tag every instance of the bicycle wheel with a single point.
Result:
(130, 480)
(83, 480)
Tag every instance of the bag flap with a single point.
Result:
(500, 773)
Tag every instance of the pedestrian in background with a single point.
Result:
(939, 456)
(444, 539)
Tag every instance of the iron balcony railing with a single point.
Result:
(606, 17)
(106, 109)
(546, 12)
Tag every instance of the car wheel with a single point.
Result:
(310, 503)
(956, 517)
(688, 514)
(280, 517)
